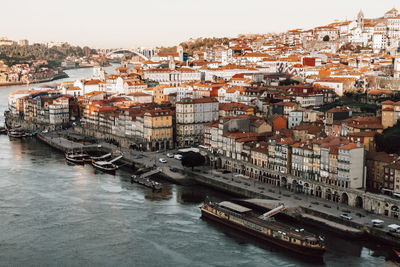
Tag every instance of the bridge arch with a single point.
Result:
(126, 50)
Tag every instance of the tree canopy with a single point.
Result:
(388, 141)
(289, 82)
(192, 159)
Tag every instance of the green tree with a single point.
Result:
(326, 38)
(192, 159)
(388, 140)
(289, 82)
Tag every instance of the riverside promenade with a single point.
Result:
(304, 208)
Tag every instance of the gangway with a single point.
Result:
(272, 212)
(150, 173)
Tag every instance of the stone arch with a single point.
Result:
(283, 181)
(294, 186)
(218, 163)
(207, 160)
(395, 211)
(318, 191)
(358, 202)
(328, 194)
(345, 199)
(336, 197)
(306, 188)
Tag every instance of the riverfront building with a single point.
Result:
(191, 115)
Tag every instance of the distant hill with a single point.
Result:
(199, 44)
(16, 54)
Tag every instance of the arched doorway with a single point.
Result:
(345, 199)
(306, 188)
(359, 202)
(328, 194)
(207, 161)
(318, 192)
(218, 163)
(294, 186)
(395, 211)
(336, 197)
(284, 181)
(157, 146)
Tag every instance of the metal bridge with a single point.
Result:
(144, 54)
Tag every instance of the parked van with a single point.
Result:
(377, 223)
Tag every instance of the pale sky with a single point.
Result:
(128, 23)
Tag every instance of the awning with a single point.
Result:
(234, 207)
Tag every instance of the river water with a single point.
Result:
(55, 214)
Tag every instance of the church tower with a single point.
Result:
(360, 19)
(180, 52)
(171, 63)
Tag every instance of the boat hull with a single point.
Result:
(106, 170)
(305, 251)
(75, 161)
(149, 184)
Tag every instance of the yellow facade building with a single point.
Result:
(158, 129)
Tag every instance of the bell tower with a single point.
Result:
(360, 19)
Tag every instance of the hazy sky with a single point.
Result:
(128, 23)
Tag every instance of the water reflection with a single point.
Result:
(164, 194)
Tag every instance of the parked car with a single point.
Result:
(162, 160)
(377, 223)
(170, 155)
(394, 228)
(346, 216)
(138, 156)
(173, 169)
(226, 171)
(178, 157)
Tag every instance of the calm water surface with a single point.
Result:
(52, 213)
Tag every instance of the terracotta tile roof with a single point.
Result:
(381, 156)
(349, 146)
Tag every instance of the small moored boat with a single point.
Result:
(98, 158)
(146, 182)
(76, 157)
(3, 130)
(106, 166)
(17, 133)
